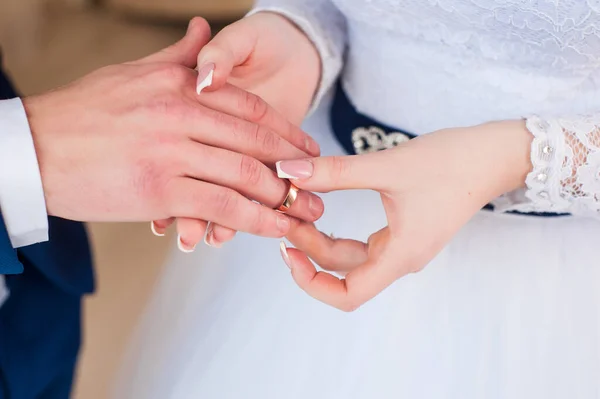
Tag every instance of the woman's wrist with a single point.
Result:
(305, 51)
(507, 147)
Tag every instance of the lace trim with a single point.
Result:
(548, 152)
(565, 155)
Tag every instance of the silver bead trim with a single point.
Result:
(547, 149)
(542, 177)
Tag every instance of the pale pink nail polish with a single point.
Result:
(209, 238)
(183, 247)
(315, 206)
(298, 169)
(284, 254)
(156, 230)
(208, 233)
(205, 76)
(312, 147)
(214, 243)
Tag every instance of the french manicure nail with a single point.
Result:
(208, 233)
(205, 77)
(209, 237)
(212, 242)
(156, 231)
(312, 147)
(284, 254)
(299, 169)
(183, 247)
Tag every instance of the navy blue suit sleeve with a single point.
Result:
(9, 262)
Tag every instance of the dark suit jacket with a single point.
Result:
(40, 321)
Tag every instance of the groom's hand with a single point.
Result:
(133, 142)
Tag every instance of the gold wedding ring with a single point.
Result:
(289, 200)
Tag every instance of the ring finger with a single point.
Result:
(249, 177)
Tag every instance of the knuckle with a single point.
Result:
(250, 171)
(270, 142)
(171, 73)
(259, 223)
(167, 104)
(232, 126)
(255, 133)
(222, 120)
(225, 203)
(337, 168)
(255, 107)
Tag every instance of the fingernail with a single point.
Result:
(300, 169)
(209, 238)
(312, 147)
(315, 206)
(183, 247)
(189, 27)
(283, 223)
(205, 77)
(156, 230)
(284, 254)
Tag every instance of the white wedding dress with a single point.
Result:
(509, 309)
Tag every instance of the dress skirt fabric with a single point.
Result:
(510, 309)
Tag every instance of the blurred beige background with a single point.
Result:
(47, 43)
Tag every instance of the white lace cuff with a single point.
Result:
(324, 25)
(565, 178)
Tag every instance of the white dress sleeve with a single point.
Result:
(565, 178)
(324, 24)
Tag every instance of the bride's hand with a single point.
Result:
(267, 55)
(430, 187)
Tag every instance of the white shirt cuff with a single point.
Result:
(22, 201)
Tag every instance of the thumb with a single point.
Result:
(231, 47)
(185, 50)
(326, 174)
